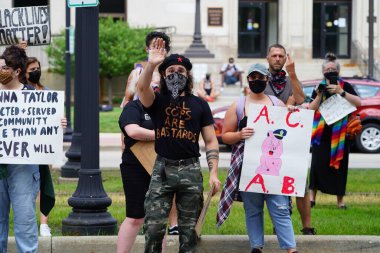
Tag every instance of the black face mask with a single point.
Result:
(257, 86)
(331, 75)
(34, 76)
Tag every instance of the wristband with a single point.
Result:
(343, 94)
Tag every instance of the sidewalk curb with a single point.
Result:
(209, 244)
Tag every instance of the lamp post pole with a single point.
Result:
(371, 21)
(71, 168)
(89, 215)
(68, 131)
(197, 49)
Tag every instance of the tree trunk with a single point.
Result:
(109, 92)
(101, 93)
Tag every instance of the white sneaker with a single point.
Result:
(44, 230)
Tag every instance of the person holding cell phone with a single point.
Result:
(329, 164)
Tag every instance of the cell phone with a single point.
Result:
(334, 80)
(321, 87)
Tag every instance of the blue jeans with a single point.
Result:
(278, 207)
(20, 190)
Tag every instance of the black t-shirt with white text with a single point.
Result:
(178, 127)
(133, 113)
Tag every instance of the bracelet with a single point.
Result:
(343, 94)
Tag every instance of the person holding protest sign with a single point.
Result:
(289, 90)
(331, 148)
(235, 132)
(19, 183)
(178, 117)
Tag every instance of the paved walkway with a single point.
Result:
(211, 244)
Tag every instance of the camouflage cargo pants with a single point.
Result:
(180, 177)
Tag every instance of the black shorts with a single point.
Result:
(135, 183)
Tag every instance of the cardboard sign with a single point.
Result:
(144, 152)
(30, 126)
(31, 24)
(276, 156)
(202, 216)
(335, 108)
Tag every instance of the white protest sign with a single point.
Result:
(31, 24)
(276, 156)
(335, 108)
(30, 126)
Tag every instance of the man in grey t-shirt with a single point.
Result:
(289, 90)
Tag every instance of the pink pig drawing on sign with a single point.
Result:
(272, 148)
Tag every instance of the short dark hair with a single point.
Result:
(188, 88)
(15, 57)
(276, 46)
(155, 34)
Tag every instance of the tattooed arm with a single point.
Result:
(139, 133)
(212, 155)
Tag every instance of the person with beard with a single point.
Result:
(179, 118)
(329, 162)
(235, 132)
(289, 90)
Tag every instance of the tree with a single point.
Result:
(120, 47)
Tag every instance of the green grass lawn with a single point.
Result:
(108, 121)
(361, 217)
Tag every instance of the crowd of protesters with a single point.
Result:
(159, 107)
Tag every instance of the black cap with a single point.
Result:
(175, 59)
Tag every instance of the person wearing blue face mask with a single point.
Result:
(179, 118)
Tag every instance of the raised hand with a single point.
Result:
(157, 52)
(289, 65)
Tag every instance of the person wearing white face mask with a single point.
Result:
(179, 118)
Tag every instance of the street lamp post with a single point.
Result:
(71, 168)
(68, 131)
(197, 49)
(371, 21)
(89, 215)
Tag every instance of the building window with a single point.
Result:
(23, 3)
(115, 9)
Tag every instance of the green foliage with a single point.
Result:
(56, 53)
(119, 48)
